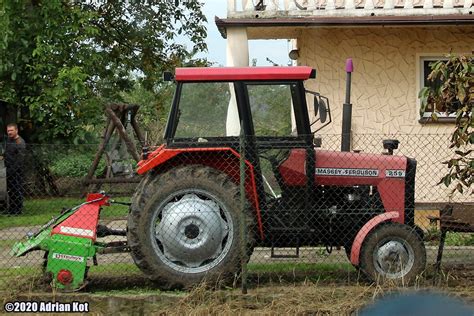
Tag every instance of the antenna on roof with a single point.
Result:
(272, 62)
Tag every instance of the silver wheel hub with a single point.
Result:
(191, 231)
(394, 258)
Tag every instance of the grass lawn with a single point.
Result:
(283, 267)
(114, 269)
(12, 279)
(40, 211)
(125, 277)
(123, 289)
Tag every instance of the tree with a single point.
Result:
(61, 61)
(154, 108)
(455, 94)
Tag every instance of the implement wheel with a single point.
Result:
(393, 252)
(183, 227)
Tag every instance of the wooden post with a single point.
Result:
(123, 134)
(136, 128)
(105, 139)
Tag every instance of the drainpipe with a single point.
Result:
(347, 110)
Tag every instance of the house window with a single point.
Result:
(425, 69)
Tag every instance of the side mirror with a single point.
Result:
(323, 110)
(321, 107)
(316, 106)
(168, 76)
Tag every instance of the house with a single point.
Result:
(391, 43)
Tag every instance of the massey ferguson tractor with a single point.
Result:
(184, 220)
(186, 216)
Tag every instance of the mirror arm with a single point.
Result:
(316, 121)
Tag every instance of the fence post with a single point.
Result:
(243, 222)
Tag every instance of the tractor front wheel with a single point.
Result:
(393, 252)
(183, 227)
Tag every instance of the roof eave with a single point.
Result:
(223, 24)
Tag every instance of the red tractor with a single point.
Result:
(184, 222)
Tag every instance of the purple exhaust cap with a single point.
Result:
(349, 65)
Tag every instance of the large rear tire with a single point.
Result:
(184, 226)
(393, 252)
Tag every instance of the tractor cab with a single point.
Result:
(215, 105)
(266, 107)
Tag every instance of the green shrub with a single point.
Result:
(433, 234)
(75, 165)
(459, 239)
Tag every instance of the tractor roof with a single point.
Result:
(244, 73)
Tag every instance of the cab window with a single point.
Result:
(271, 105)
(202, 110)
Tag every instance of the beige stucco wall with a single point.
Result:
(386, 77)
(385, 86)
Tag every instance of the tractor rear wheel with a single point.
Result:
(183, 226)
(393, 252)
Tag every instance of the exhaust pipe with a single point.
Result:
(347, 110)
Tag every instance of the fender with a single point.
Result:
(162, 155)
(83, 222)
(365, 230)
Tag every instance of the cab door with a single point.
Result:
(277, 111)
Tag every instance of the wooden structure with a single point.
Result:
(453, 218)
(118, 116)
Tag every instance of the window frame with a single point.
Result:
(173, 116)
(421, 76)
(294, 99)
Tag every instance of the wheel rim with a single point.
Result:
(193, 231)
(393, 258)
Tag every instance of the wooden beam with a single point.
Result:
(123, 134)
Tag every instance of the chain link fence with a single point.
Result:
(191, 218)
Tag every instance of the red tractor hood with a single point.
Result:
(344, 168)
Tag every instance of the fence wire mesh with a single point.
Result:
(305, 210)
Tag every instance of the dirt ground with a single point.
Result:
(269, 294)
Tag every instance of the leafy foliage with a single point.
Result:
(61, 61)
(433, 234)
(75, 165)
(455, 95)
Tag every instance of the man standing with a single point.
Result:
(14, 162)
